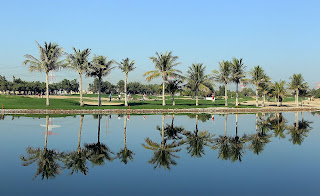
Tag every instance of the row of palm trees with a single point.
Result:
(173, 137)
(165, 67)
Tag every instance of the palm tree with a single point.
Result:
(79, 62)
(77, 160)
(280, 91)
(197, 140)
(100, 66)
(237, 74)
(126, 66)
(98, 152)
(46, 159)
(173, 87)
(223, 76)
(164, 64)
(257, 78)
(198, 79)
(125, 153)
(48, 61)
(163, 153)
(297, 84)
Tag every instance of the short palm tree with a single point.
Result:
(46, 159)
(126, 66)
(173, 86)
(49, 60)
(163, 154)
(264, 88)
(198, 79)
(77, 160)
(164, 64)
(125, 153)
(99, 67)
(279, 90)
(237, 74)
(223, 76)
(257, 78)
(297, 84)
(79, 62)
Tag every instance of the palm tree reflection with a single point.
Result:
(47, 160)
(77, 160)
(278, 124)
(125, 153)
(163, 154)
(196, 141)
(98, 152)
(299, 130)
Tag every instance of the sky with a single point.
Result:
(281, 36)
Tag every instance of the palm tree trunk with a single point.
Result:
(256, 122)
(163, 88)
(99, 93)
(296, 120)
(80, 128)
(80, 89)
(226, 94)
(237, 93)
(278, 101)
(47, 88)
(297, 97)
(125, 131)
(197, 101)
(225, 125)
(257, 101)
(173, 102)
(237, 124)
(263, 99)
(125, 91)
(197, 123)
(46, 136)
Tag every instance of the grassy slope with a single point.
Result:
(21, 102)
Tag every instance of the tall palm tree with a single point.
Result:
(79, 62)
(279, 91)
(99, 67)
(223, 76)
(237, 74)
(197, 78)
(98, 152)
(257, 77)
(50, 55)
(197, 140)
(164, 64)
(163, 153)
(126, 66)
(125, 153)
(77, 160)
(173, 87)
(297, 84)
(46, 159)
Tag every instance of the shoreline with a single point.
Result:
(219, 110)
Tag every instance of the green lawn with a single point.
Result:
(21, 102)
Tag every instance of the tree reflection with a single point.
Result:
(237, 145)
(223, 143)
(98, 152)
(163, 154)
(172, 132)
(278, 124)
(197, 140)
(299, 130)
(261, 138)
(125, 154)
(77, 160)
(47, 160)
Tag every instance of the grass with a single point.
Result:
(22, 102)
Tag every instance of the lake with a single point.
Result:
(204, 154)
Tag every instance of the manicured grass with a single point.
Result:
(21, 102)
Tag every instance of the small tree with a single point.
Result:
(223, 76)
(297, 84)
(173, 86)
(237, 74)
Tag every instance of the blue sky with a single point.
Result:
(281, 36)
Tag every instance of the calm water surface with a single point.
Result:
(252, 154)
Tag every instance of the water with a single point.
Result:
(202, 158)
